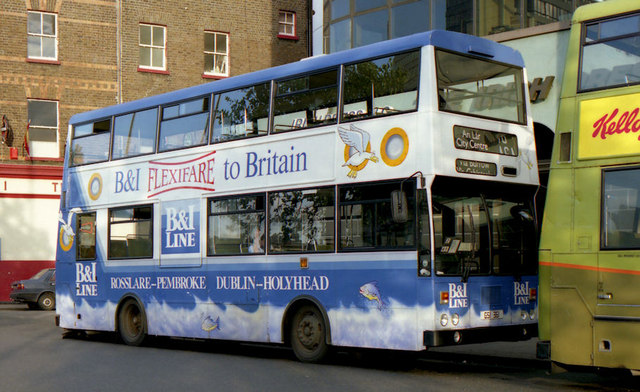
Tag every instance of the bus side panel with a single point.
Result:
(617, 344)
(572, 303)
(555, 237)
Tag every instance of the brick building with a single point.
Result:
(61, 57)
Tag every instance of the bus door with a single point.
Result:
(181, 241)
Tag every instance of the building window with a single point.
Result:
(42, 138)
(152, 47)
(42, 36)
(216, 54)
(287, 25)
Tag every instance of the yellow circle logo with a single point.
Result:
(66, 240)
(95, 186)
(394, 146)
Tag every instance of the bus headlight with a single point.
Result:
(444, 320)
(424, 264)
(532, 314)
(524, 315)
(455, 319)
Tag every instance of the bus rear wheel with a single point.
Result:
(308, 335)
(132, 323)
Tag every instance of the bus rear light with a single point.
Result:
(533, 294)
(444, 298)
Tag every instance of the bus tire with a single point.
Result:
(132, 324)
(309, 334)
(47, 301)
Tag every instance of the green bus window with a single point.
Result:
(184, 125)
(383, 86)
(301, 221)
(236, 226)
(306, 101)
(610, 53)
(131, 232)
(90, 143)
(241, 113)
(135, 134)
(86, 236)
(621, 209)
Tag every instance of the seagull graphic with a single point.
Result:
(67, 226)
(358, 139)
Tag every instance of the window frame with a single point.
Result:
(599, 41)
(519, 88)
(412, 221)
(308, 91)
(286, 23)
(42, 127)
(41, 36)
(133, 220)
(78, 236)
(332, 218)
(161, 119)
(151, 46)
(603, 219)
(134, 113)
(342, 118)
(92, 134)
(212, 74)
(257, 211)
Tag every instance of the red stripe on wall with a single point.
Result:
(12, 270)
(34, 172)
(27, 196)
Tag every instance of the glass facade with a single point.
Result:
(352, 23)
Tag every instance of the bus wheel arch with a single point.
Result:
(131, 320)
(306, 328)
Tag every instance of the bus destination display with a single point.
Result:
(476, 167)
(473, 139)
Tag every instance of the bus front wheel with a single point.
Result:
(308, 334)
(131, 323)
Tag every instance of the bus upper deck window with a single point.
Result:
(90, 142)
(388, 85)
(241, 113)
(479, 87)
(184, 124)
(306, 101)
(135, 134)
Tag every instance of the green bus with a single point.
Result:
(589, 290)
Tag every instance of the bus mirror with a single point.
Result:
(399, 210)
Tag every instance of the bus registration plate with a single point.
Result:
(493, 314)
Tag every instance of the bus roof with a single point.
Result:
(439, 38)
(607, 8)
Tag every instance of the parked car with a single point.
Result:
(37, 292)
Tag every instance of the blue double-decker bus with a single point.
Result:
(379, 197)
